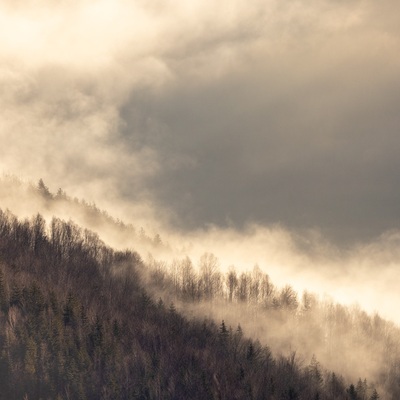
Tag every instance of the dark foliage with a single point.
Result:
(347, 335)
(76, 323)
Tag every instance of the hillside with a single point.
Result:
(22, 197)
(199, 200)
(77, 323)
(343, 338)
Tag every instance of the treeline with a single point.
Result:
(344, 338)
(206, 282)
(14, 191)
(76, 323)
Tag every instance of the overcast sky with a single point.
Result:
(227, 113)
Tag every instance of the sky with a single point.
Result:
(262, 131)
(198, 114)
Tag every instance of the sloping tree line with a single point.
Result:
(89, 213)
(76, 323)
(345, 338)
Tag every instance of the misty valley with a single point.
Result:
(81, 320)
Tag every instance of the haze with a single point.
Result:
(193, 115)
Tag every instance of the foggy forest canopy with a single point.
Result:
(218, 214)
(82, 320)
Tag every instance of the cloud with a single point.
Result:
(268, 112)
(300, 128)
(261, 131)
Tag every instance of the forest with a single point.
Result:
(80, 320)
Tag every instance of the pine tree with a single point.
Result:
(70, 310)
(4, 301)
(352, 392)
(250, 352)
(16, 295)
(43, 189)
(361, 389)
(172, 309)
(374, 395)
(96, 336)
(116, 328)
(30, 356)
(223, 334)
(315, 372)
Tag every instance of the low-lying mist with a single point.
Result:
(364, 273)
(229, 130)
(343, 339)
(316, 315)
(181, 109)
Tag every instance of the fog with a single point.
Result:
(263, 132)
(364, 274)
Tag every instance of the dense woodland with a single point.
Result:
(79, 320)
(76, 323)
(344, 338)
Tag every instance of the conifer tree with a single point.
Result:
(374, 395)
(4, 301)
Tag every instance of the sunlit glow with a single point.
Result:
(68, 69)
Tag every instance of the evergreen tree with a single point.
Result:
(352, 392)
(43, 189)
(4, 300)
(374, 395)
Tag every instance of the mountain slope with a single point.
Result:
(77, 323)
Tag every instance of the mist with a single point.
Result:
(265, 133)
(364, 274)
(230, 115)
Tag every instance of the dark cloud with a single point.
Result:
(308, 145)
(240, 112)
(251, 115)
